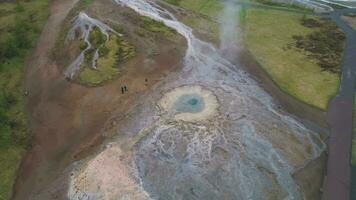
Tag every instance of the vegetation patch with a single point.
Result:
(325, 44)
(269, 35)
(156, 26)
(204, 7)
(20, 25)
(87, 2)
(113, 53)
(174, 2)
(284, 4)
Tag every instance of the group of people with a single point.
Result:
(124, 89)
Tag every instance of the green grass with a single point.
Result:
(11, 157)
(269, 36)
(113, 53)
(156, 27)
(284, 5)
(206, 7)
(20, 25)
(87, 2)
(174, 2)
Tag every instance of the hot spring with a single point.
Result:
(190, 103)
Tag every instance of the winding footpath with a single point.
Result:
(340, 110)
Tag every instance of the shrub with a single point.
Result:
(16, 42)
(19, 7)
(96, 37)
(325, 44)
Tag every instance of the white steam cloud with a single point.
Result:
(229, 25)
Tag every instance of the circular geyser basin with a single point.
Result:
(190, 103)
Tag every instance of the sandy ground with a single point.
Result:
(107, 177)
(67, 118)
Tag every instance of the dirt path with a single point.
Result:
(37, 66)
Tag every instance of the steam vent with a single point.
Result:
(190, 103)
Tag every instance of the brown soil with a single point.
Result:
(309, 178)
(66, 118)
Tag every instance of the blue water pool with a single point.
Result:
(191, 103)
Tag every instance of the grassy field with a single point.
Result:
(270, 36)
(20, 25)
(114, 53)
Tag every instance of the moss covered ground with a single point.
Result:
(270, 36)
(112, 54)
(20, 25)
(156, 27)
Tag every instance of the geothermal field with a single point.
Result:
(206, 131)
(182, 100)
